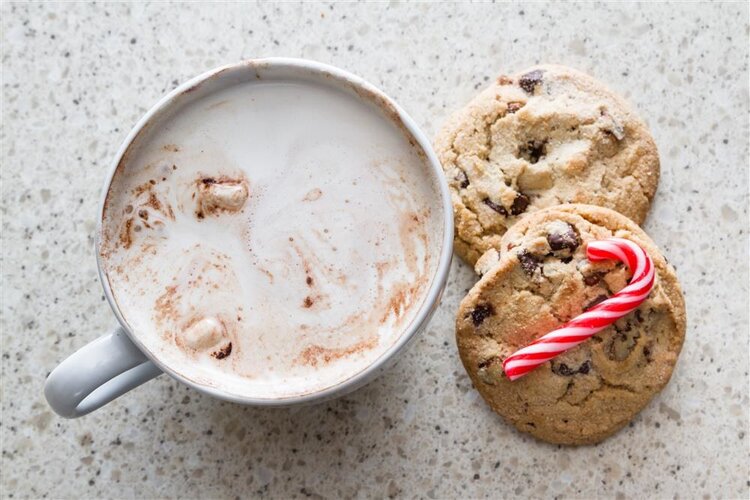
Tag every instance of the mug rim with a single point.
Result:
(439, 279)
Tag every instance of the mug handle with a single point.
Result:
(96, 374)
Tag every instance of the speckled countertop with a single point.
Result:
(77, 77)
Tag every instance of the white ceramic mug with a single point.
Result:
(117, 362)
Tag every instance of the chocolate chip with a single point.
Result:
(565, 239)
(494, 206)
(529, 263)
(638, 316)
(519, 204)
(566, 371)
(480, 313)
(592, 280)
(623, 342)
(622, 330)
(647, 354)
(562, 369)
(530, 80)
(532, 151)
(566, 260)
(515, 106)
(486, 363)
(599, 299)
(463, 179)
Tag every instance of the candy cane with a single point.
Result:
(598, 317)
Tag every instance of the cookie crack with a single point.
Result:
(462, 240)
(603, 383)
(583, 401)
(571, 383)
(559, 318)
(643, 189)
(455, 150)
(488, 142)
(622, 387)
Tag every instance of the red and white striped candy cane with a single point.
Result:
(598, 317)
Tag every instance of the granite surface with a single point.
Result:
(76, 77)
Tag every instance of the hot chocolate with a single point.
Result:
(271, 237)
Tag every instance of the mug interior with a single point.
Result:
(265, 72)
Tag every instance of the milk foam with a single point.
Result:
(306, 281)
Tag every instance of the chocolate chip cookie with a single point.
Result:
(539, 279)
(545, 136)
